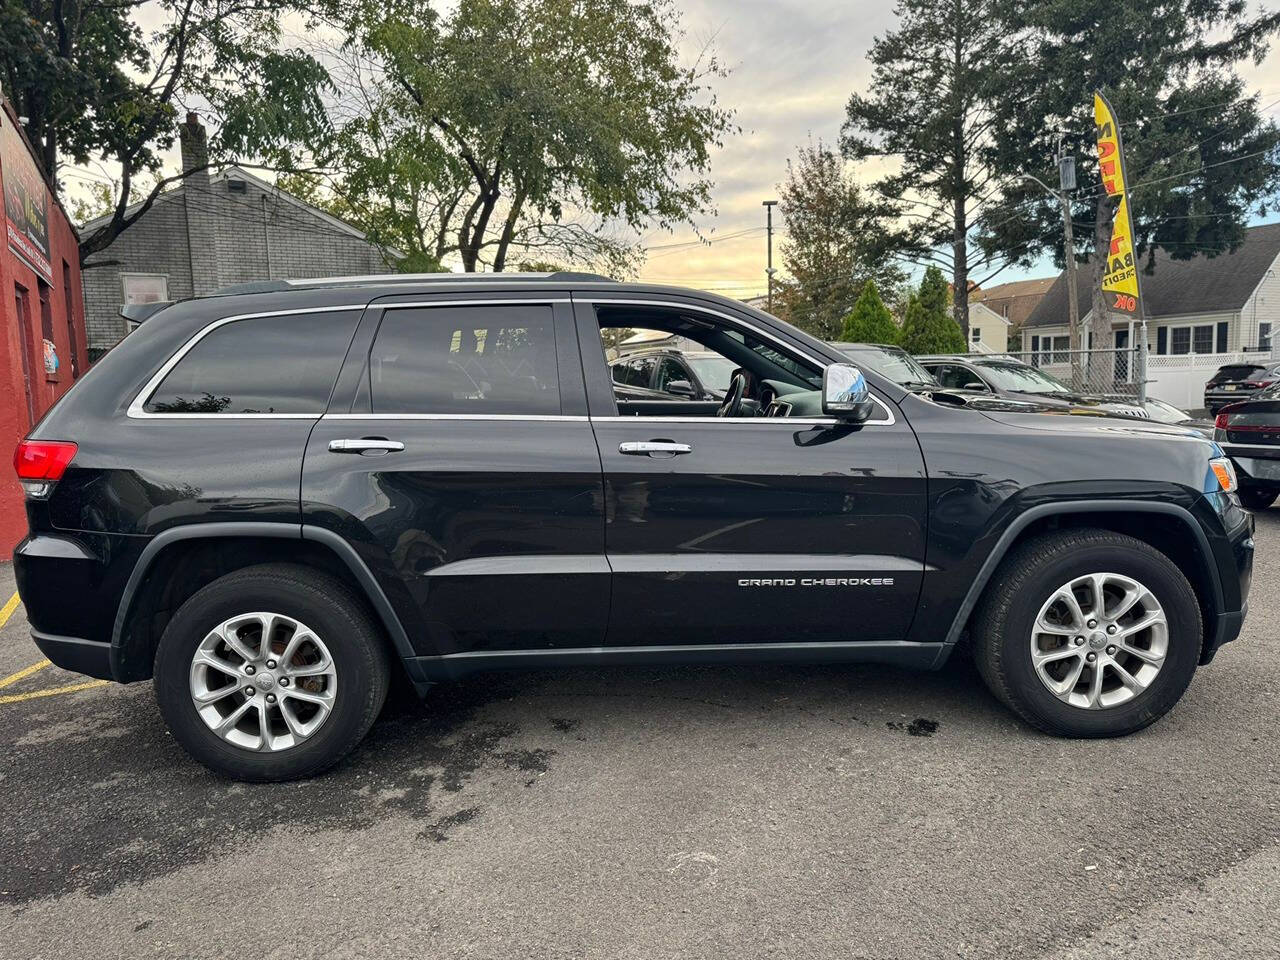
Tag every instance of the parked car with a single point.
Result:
(1249, 433)
(1238, 381)
(1158, 411)
(1006, 376)
(904, 370)
(671, 375)
(266, 503)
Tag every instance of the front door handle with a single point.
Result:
(653, 448)
(369, 446)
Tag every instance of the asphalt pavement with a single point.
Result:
(807, 812)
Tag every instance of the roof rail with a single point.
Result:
(277, 286)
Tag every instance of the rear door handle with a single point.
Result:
(369, 446)
(653, 448)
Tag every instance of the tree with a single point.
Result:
(1201, 157)
(929, 326)
(523, 127)
(835, 243)
(870, 321)
(928, 110)
(94, 84)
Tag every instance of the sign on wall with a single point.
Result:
(26, 201)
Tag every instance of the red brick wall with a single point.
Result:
(17, 339)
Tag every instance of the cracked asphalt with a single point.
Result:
(853, 812)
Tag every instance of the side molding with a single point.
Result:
(1022, 520)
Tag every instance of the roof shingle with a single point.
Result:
(1179, 287)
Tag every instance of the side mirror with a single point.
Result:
(681, 388)
(975, 385)
(844, 393)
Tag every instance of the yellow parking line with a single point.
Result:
(23, 673)
(53, 691)
(7, 610)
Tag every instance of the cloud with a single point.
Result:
(794, 65)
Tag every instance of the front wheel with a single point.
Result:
(271, 673)
(1088, 633)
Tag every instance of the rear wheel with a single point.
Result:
(1088, 633)
(271, 673)
(1257, 498)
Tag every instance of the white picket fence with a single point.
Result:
(1179, 379)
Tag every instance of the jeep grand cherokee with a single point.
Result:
(266, 502)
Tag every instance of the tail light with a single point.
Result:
(41, 463)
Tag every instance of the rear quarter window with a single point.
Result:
(259, 365)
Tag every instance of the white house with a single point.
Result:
(988, 330)
(1202, 313)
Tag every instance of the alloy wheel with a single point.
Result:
(263, 681)
(1099, 640)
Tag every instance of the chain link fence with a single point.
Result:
(1113, 370)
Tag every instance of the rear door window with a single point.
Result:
(466, 360)
(260, 365)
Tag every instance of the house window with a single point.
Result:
(1264, 336)
(1055, 350)
(145, 287)
(1202, 339)
(1180, 341)
(976, 333)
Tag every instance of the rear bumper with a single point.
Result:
(1221, 398)
(89, 657)
(70, 584)
(1256, 465)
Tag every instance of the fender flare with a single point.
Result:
(1031, 514)
(285, 531)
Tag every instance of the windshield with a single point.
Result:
(714, 372)
(1022, 378)
(1162, 412)
(898, 366)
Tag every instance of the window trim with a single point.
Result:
(137, 409)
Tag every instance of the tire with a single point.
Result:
(308, 604)
(1027, 580)
(1257, 498)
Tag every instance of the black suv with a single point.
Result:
(267, 502)
(1238, 381)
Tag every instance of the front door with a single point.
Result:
(756, 529)
(1122, 356)
(457, 457)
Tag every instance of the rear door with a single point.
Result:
(760, 530)
(458, 458)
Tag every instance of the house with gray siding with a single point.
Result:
(216, 228)
(1202, 313)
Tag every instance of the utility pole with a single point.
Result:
(768, 270)
(1066, 184)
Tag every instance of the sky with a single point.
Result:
(794, 64)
